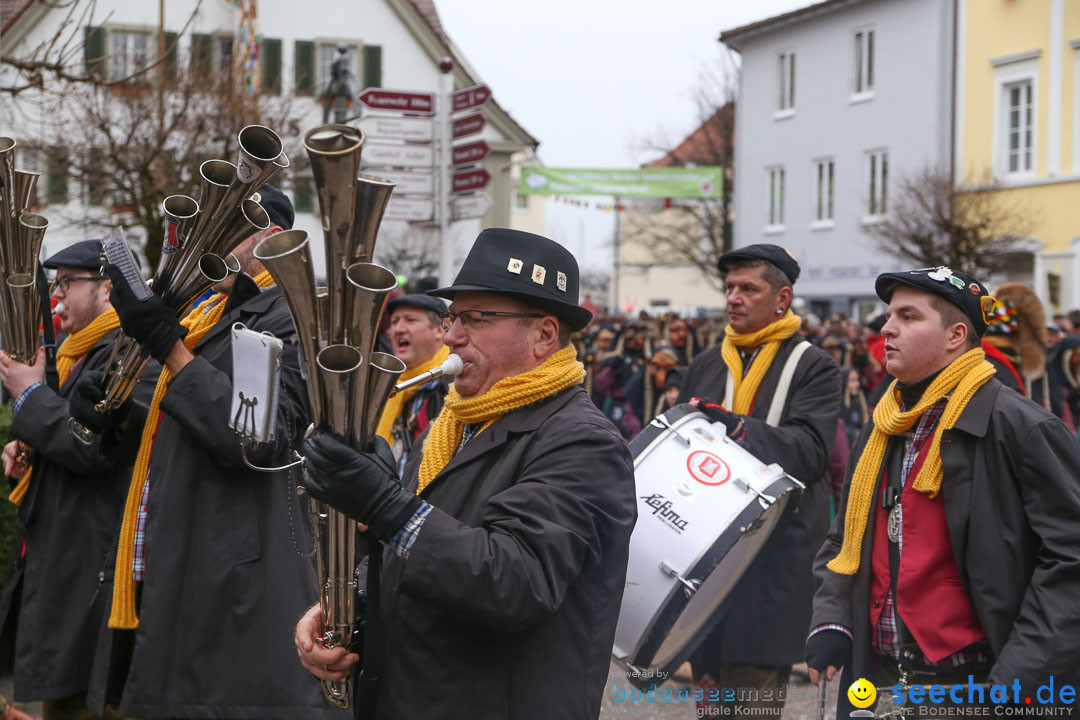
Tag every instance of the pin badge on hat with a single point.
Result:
(988, 303)
(956, 282)
(940, 274)
(539, 273)
(560, 281)
(974, 288)
(514, 266)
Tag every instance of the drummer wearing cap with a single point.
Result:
(762, 633)
(506, 543)
(955, 553)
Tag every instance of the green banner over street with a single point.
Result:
(699, 182)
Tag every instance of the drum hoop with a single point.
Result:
(675, 603)
(652, 433)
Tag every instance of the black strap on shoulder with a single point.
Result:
(52, 379)
(367, 680)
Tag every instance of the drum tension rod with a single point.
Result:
(689, 586)
(661, 421)
(765, 500)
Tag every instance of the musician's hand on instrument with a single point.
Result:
(362, 485)
(715, 412)
(150, 323)
(83, 404)
(17, 376)
(326, 664)
(13, 460)
(827, 651)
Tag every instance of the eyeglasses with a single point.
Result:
(64, 283)
(477, 318)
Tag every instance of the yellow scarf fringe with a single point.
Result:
(770, 336)
(198, 322)
(396, 403)
(962, 378)
(558, 372)
(70, 351)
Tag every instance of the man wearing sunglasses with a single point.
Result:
(69, 493)
(506, 543)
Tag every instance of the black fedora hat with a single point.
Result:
(528, 267)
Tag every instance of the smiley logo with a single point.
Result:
(862, 693)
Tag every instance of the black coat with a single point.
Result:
(226, 569)
(507, 605)
(768, 612)
(1011, 488)
(69, 516)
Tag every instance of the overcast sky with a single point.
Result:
(594, 79)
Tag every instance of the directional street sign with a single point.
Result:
(415, 129)
(413, 209)
(401, 100)
(409, 182)
(471, 180)
(470, 206)
(398, 155)
(471, 97)
(468, 125)
(470, 152)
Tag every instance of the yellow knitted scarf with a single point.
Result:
(74, 347)
(198, 322)
(961, 378)
(396, 403)
(558, 372)
(770, 336)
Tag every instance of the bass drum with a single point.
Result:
(706, 507)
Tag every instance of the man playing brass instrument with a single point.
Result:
(507, 541)
(768, 615)
(211, 554)
(70, 501)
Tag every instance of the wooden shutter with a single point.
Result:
(56, 176)
(202, 55)
(304, 68)
(168, 68)
(270, 61)
(94, 51)
(372, 66)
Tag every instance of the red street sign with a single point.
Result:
(471, 97)
(471, 180)
(404, 101)
(471, 152)
(468, 125)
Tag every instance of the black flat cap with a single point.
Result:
(959, 288)
(773, 254)
(277, 205)
(85, 255)
(531, 268)
(417, 300)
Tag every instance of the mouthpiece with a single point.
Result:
(60, 307)
(452, 365)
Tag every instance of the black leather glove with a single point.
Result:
(87, 393)
(364, 486)
(718, 414)
(150, 323)
(828, 648)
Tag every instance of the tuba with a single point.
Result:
(21, 234)
(337, 327)
(198, 235)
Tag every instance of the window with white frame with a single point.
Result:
(787, 81)
(824, 174)
(1019, 113)
(328, 54)
(877, 165)
(863, 77)
(130, 52)
(775, 197)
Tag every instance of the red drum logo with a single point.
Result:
(707, 469)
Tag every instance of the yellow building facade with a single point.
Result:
(1018, 122)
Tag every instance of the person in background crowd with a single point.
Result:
(762, 633)
(415, 336)
(677, 337)
(955, 558)
(855, 412)
(672, 385)
(1015, 342)
(645, 390)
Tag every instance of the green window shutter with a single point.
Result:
(372, 66)
(56, 176)
(202, 55)
(95, 178)
(303, 194)
(169, 64)
(304, 68)
(94, 50)
(270, 60)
